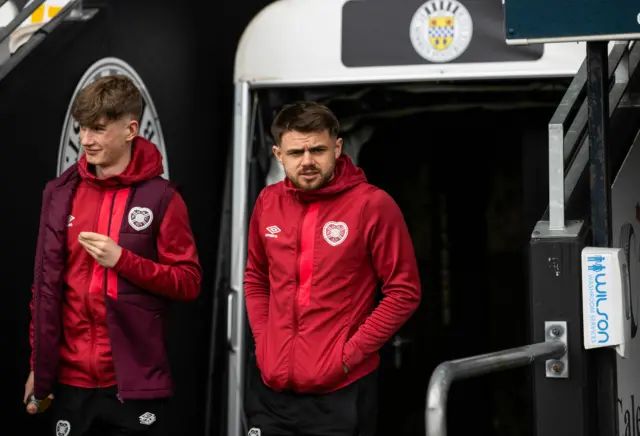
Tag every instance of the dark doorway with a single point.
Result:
(459, 178)
(467, 164)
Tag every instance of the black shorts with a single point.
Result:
(350, 411)
(99, 412)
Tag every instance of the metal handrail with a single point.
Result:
(72, 10)
(447, 372)
(624, 71)
(567, 132)
(25, 13)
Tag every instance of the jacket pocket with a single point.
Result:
(142, 299)
(321, 374)
(137, 335)
(260, 352)
(337, 374)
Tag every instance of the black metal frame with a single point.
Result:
(560, 405)
(600, 195)
(586, 403)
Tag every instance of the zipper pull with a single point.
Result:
(119, 398)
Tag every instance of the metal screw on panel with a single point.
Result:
(557, 367)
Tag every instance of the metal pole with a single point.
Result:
(598, 117)
(447, 372)
(600, 189)
(221, 287)
(236, 312)
(556, 177)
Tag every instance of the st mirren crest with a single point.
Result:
(441, 30)
(335, 232)
(140, 218)
(70, 149)
(63, 428)
(254, 432)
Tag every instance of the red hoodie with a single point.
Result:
(315, 259)
(85, 352)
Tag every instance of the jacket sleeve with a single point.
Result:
(31, 332)
(177, 274)
(256, 276)
(46, 198)
(391, 250)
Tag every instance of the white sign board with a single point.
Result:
(605, 298)
(625, 203)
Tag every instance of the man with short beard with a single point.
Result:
(320, 243)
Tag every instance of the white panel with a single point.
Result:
(298, 42)
(625, 217)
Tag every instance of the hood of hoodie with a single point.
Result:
(346, 176)
(146, 163)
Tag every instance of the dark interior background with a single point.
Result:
(468, 170)
(184, 52)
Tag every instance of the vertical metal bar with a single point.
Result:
(598, 117)
(600, 189)
(221, 285)
(238, 256)
(556, 177)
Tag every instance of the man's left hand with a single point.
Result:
(102, 248)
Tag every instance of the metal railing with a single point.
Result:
(72, 11)
(568, 141)
(553, 350)
(29, 9)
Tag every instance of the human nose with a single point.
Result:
(307, 159)
(86, 137)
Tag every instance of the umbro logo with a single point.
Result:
(273, 232)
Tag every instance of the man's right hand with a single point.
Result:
(28, 390)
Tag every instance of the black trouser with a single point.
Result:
(85, 412)
(350, 411)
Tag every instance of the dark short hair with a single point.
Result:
(304, 117)
(112, 97)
